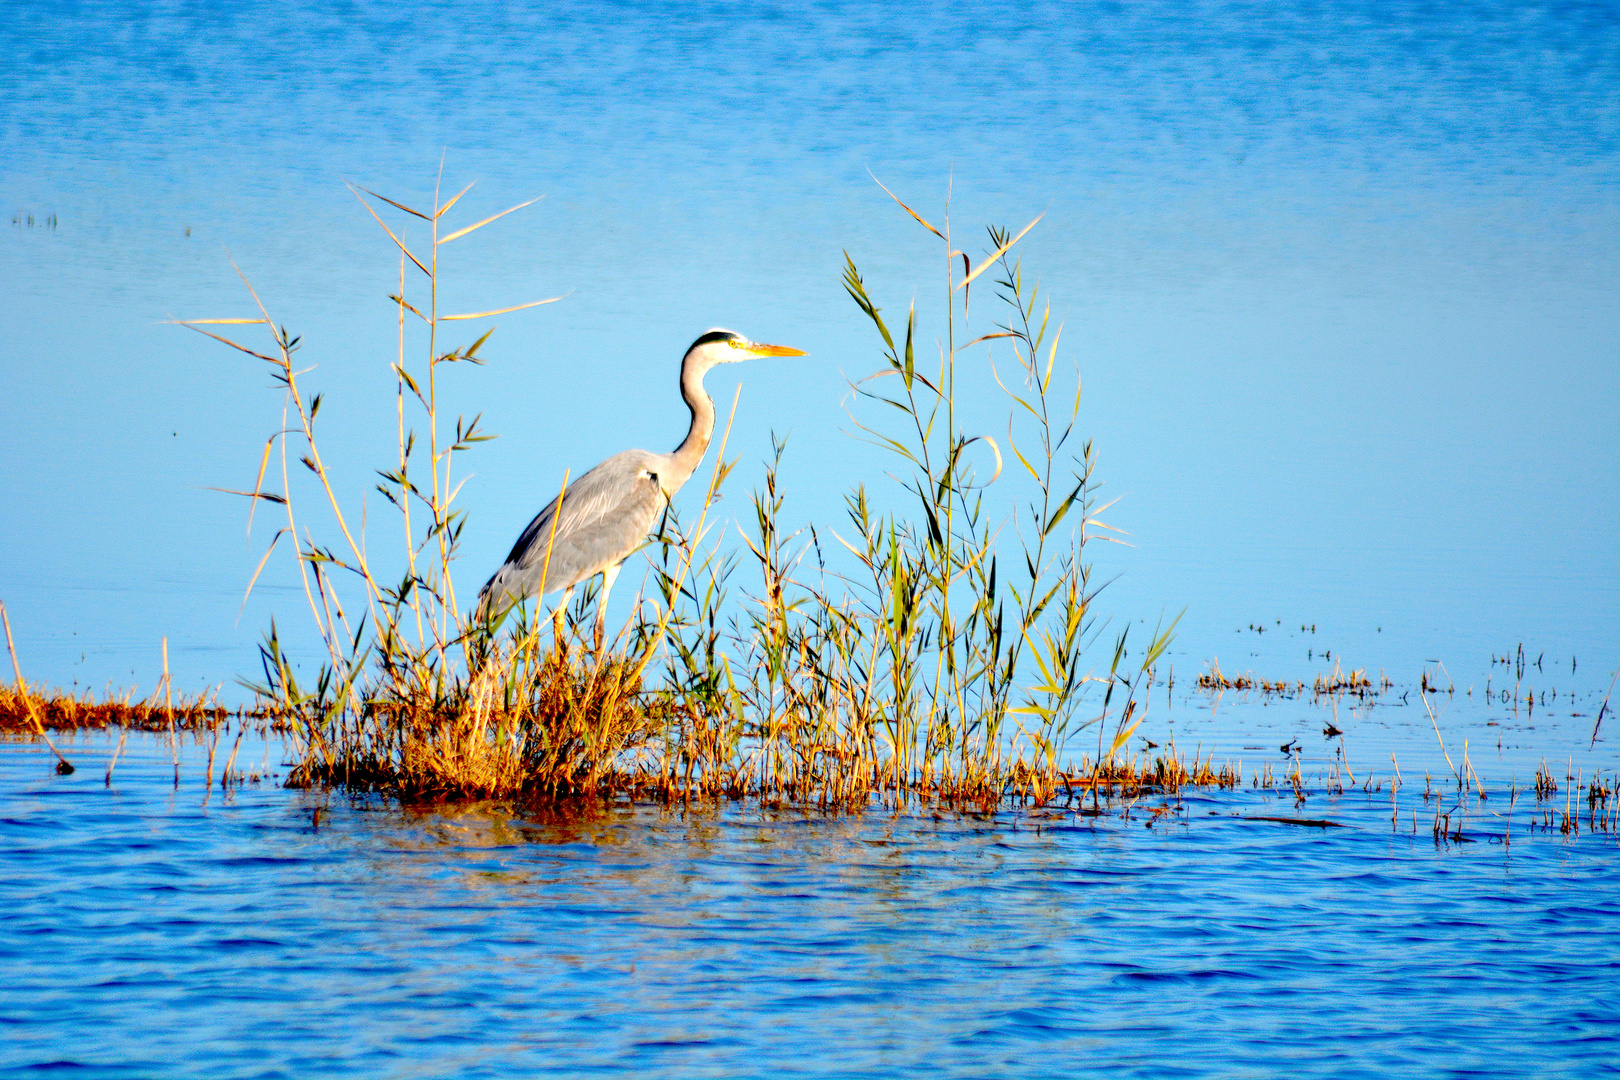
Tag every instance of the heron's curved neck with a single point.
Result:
(690, 453)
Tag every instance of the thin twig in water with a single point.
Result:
(63, 766)
(1604, 707)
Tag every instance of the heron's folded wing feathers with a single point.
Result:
(601, 494)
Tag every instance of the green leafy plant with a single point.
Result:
(934, 645)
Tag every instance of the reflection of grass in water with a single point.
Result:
(945, 657)
(27, 219)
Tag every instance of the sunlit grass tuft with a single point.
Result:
(84, 711)
(940, 653)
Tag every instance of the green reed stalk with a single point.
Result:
(894, 675)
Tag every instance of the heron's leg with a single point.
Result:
(558, 613)
(608, 575)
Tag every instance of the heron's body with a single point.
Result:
(606, 514)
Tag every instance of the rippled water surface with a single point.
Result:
(152, 930)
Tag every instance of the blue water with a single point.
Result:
(1340, 282)
(147, 930)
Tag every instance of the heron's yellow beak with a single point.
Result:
(773, 350)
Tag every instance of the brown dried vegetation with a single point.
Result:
(65, 712)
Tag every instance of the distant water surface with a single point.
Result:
(1340, 279)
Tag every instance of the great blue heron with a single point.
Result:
(605, 515)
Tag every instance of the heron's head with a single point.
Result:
(724, 347)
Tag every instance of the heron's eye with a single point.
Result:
(737, 343)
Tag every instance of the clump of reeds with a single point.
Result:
(1169, 772)
(919, 653)
(24, 707)
(1546, 787)
(529, 720)
(1214, 679)
(1339, 682)
(925, 656)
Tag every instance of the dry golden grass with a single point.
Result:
(1338, 681)
(1216, 680)
(530, 723)
(59, 711)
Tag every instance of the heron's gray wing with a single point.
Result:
(599, 520)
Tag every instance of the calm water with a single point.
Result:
(152, 931)
(1340, 279)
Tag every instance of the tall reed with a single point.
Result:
(389, 701)
(938, 651)
(936, 663)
